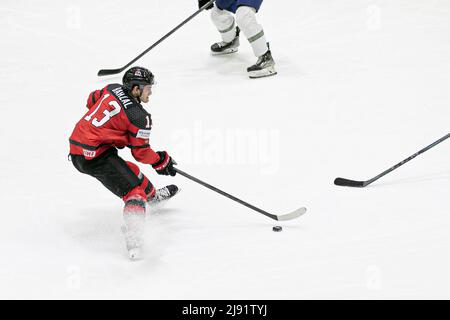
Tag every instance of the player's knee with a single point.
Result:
(219, 16)
(245, 17)
(137, 193)
(136, 170)
(215, 13)
(133, 167)
(146, 185)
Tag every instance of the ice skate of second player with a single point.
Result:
(264, 67)
(220, 48)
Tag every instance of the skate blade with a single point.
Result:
(135, 254)
(262, 73)
(228, 51)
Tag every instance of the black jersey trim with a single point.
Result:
(139, 147)
(88, 147)
(132, 134)
(93, 97)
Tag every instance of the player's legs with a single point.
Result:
(152, 195)
(134, 221)
(146, 185)
(253, 31)
(111, 170)
(246, 21)
(124, 180)
(224, 22)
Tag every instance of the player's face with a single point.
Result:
(146, 93)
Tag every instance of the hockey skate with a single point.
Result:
(133, 229)
(264, 67)
(133, 242)
(164, 194)
(223, 47)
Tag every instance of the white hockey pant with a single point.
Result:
(246, 21)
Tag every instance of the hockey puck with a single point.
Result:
(277, 229)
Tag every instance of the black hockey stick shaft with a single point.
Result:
(229, 196)
(352, 183)
(106, 72)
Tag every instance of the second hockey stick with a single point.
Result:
(283, 217)
(361, 184)
(107, 72)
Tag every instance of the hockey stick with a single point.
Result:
(107, 72)
(361, 184)
(284, 217)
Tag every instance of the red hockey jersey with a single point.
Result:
(114, 119)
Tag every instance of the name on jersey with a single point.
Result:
(122, 97)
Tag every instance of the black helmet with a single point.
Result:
(137, 76)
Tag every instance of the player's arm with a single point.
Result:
(140, 144)
(139, 134)
(94, 96)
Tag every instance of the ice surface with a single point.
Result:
(360, 86)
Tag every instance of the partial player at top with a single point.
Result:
(244, 20)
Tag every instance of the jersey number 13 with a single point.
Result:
(108, 114)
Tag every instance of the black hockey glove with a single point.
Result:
(201, 3)
(165, 164)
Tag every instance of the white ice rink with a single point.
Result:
(362, 84)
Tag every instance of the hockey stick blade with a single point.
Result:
(108, 72)
(293, 215)
(349, 183)
(284, 217)
(361, 184)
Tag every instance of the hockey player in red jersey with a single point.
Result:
(116, 119)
